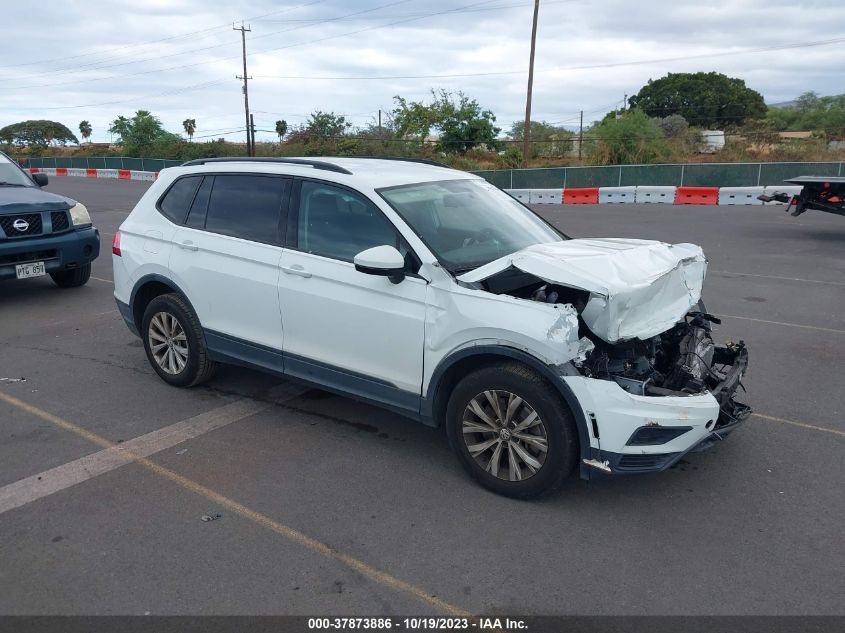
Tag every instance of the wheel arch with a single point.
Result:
(148, 288)
(450, 370)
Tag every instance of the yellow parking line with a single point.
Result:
(258, 518)
(800, 424)
(107, 281)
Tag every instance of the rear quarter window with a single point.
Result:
(174, 204)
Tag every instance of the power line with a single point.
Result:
(167, 93)
(559, 68)
(288, 46)
(150, 42)
(100, 66)
(408, 15)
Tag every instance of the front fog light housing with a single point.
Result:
(79, 215)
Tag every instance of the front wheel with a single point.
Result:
(512, 431)
(72, 278)
(174, 342)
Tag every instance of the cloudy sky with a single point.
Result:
(94, 60)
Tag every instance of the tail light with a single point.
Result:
(115, 244)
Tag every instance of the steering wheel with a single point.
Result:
(481, 236)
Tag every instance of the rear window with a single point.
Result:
(248, 207)
(177, 201)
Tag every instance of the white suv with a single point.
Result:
(436, 295)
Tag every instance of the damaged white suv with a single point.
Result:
(434, 294)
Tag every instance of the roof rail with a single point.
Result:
(406, 159)
(316, 164)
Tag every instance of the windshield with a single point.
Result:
(467, 223)
(10, 174)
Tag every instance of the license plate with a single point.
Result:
(35, 269)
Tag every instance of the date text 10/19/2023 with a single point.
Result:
(417, 624)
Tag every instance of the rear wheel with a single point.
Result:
(511, 431)
(174, 342)
(72, 278)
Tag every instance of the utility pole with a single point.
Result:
(580, 135)
(252, 133)
(379, 122)
(625, 103)
(250, 150)
(526, 134)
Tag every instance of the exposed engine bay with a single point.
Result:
(681, 361)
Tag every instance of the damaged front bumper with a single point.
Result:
(632, 433)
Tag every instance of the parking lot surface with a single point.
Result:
(321, 505)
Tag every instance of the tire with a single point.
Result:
(183, 360)
(556, 429)
(72, 278)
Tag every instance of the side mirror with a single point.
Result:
(384, 261)
(40, 179)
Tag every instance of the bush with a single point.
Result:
(633, 138)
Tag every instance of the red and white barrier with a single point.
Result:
(120, 174)
(649, 195)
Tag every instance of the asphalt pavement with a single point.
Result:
(252, 495)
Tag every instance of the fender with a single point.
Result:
(534, 363)
(161, 279)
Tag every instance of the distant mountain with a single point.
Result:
(783, 104)
(791, 104)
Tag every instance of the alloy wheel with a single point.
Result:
(168, 343)
(505, 435)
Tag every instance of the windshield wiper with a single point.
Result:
(11, 184)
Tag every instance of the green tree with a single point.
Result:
(85, 130)
(703, 99)
(464, 124)
(413, 119)
(37, 132)
(138, 134)
(281, 129)
(461, 121)
(190, 126)
(325, 125)
(631, 138)
(546, 139)
(810, 112)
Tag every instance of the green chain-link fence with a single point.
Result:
(108, 162)
(689, 174)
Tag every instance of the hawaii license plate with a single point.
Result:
(34, 269)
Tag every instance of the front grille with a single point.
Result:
(643, 462)
(60, 221)
(23, 258)
(33, 224)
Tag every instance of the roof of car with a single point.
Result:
(372, 172)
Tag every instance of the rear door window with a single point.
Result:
(196, 216)
(249, 207)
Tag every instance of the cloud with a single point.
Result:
(179, 58)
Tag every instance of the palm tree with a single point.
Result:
(85, 130)
(190, 126)
(281, 129)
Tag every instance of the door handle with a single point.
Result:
(297, 270)
(188, 245)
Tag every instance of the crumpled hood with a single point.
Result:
(638, 288)
(31, 200)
